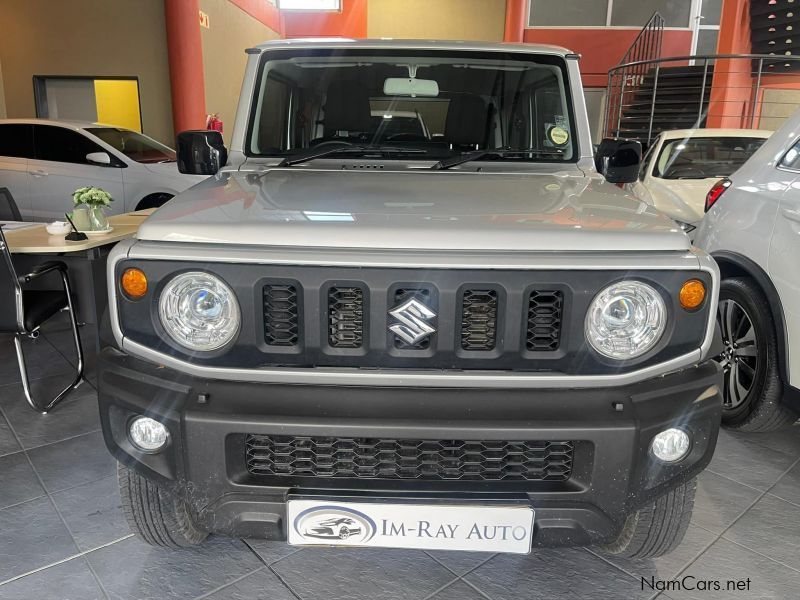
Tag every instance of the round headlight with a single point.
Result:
(625, 320)
(199, 311)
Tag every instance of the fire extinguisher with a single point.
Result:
(214, 123)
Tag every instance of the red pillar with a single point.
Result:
(185, 51)
(731, 103)
(516, 12)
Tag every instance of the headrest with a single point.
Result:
(467, 119)
(346, 108)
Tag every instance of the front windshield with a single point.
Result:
(439, 103)
(134, 145)
(703, 158)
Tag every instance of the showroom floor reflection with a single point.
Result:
(62, 533)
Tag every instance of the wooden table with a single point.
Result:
(86, 260)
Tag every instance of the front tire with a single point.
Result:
(657, 528)
(155, 515)
(752, 389)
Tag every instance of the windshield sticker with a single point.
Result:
(558, 135)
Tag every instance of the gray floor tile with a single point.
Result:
(353, 574)
(32, 535)
(41, 358)
(132, 569)
(726, 561)
(460, 562)
(75, 415)
(261, 585)
(740, 459)
(73, 462)
(668, 566)
(786, 440)
(556, 573)
(719, 501)
(788, 486)
(71, 580)
(19, 482)
(62, 340)
(772, 528)
(93, 513)
(458, 591)
(271, 551)
(8, 443)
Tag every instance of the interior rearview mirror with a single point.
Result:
(619, 160)
(99, 158)
(409, 86)
(200, 152)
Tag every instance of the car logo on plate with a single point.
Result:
(335, 523)
(413, 317)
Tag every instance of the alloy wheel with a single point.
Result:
(739, 358)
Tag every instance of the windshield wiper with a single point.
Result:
(345, 147)
(460, 159)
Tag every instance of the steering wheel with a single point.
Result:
(342, 143)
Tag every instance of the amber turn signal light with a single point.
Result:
(692, 294)
(134, 283)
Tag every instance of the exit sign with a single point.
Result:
(204, 20)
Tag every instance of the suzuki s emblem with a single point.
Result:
(413, 317)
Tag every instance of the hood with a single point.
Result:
(682, 199)
(428, 210)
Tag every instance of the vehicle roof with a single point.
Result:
(409, 44)
(712, 133)
(68, 123)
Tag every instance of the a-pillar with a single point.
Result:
(516, 12)
(185, 51)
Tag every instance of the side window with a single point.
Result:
(62, 145)
(791, 159)
(16, 140)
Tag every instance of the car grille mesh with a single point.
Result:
(346, 317)
(479, 320)
(544, 320)
(431, 460)
(281, 315)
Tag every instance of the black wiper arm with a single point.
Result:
(460, 159)
(347, 148)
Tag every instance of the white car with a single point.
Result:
(42, 162)
(681, 166)
(752, 229)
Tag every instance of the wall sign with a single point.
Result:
(204, 20)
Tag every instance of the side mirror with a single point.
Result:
(619, 160)
(201, 152)
(99, 158)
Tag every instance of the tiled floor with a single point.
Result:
(62, 534)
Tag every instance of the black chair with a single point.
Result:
(23, 311)
(8, 208)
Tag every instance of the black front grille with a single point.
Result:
(422, 460)
(544, 321)
(281, 315)
(346, 317)
(479, 319)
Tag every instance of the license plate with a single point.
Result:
(421, 526)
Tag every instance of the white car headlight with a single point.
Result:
(199, 311)
(625, 320)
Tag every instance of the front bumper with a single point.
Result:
(613, 472)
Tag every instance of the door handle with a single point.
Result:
(38, 173)
(792, 215)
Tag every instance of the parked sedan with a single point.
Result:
(42, 162)
(682, 165)
(752, 229)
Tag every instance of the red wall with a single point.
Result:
(351, 22)
(602, 49)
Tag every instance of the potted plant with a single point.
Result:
(91, 202)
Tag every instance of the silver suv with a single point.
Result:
(462, 338)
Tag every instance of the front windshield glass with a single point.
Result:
(439, 103)
(134, 145)
(703, 158)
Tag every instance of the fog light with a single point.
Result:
(148, 435)
(671, 445)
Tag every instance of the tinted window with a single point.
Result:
(134, 145)
(792, 158)
(703, 158)
(62, 145)
(16, 140)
